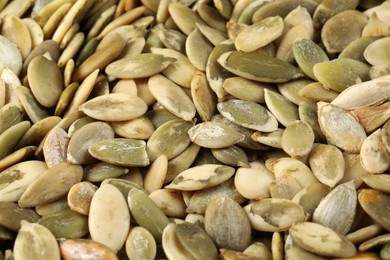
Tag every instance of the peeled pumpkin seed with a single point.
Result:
(327, 163)
(297, 139)
(311, 196)
(155, 176)
(203, 97)
(17, 32)
(254, 182)
(33, 109)
(231, 155)
(214, 135)
(108, 206)
(375, 52)
(10, 137)
(81, 140)
(244, 89)
(317, 92)
(378, 182)
(140, 244)
(231, 231)
(355, 50)
(171, 202)
(65, 224)
(248, 114)
(168, 94)
(172, 247)
(347, 133)
(272, 139)
(327, 9)
(364, 233)
(271, 215)
(321, 240)
(169, 139)
(51, 184)
(372, 202)
(213, 35)
(55, 147)
(337, 209)
(12, 215)
(374, 242)
(244, 64)
(350, 72)
(9, 116)
(30, 241)
(259, 34)
(10, 56)
(147, 214)
(79, 248)
(183, 17)
(211, 15)
(100, 171)
(120, 151)
(198, 56)
(201, 177)
(284, 111)
(17, 156)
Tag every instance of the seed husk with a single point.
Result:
(30, 240)
(245, 64)
(321, 240)
(284, 110)
(374, 156)
(120, 151)
(274, 214)
(55, 146)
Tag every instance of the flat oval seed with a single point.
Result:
(172, 97)
(245, 89)
(155, 176)
(198, 49)
(341, 128)
(204, 98)
(232, 155)
(374, 242)
(271, 215)
(100, 171)
(33, 109)
(245, 64)
(375, 53)
(284, 110)
(184, 17)
(214, 135)
(364, 234)
(81, 248)
(231, 231)
(109, 217)
(297, 139)
(327, 163)
(140, 244)
(147, 214)
(138, 128)
(337, 210)
(254, 182)
(80, 195)
(30, 241)
(81, 140)
(171, 202)
(311, 196)
(65, 223)
(114, 107)
(372, 202)
(259, 34)
(169, 139)
(15, 179)
(51, 185)
(140, 66)
(201, 177)
(248, 114)
(379, 182)
(45, 80)
(321, 240)
(307, 53)
(10, 115)
(120, 151)
(12, 215)
(55, 147)
(10, 137)
(173, 249)
(10, 56)
(374, 156)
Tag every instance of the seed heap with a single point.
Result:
(194, 129)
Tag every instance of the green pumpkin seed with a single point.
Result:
(327, 9)
(297, 139)
(30, 240)
(33, 109)
(183, 16)
(171, 39)
(245, 65)
(196, 54)
(271, 215)
(9, 116)
(211, 15)
(231, 231)
(203, 97)
(374, 242)
(52, 207)
(308, 114)
(17, 156)
(10, 137)
(123, 185)
(120, 151)
(355, 50)
(15, 179)
(311, 196)
(213, 35)
(51, 185)
(140, 244)
(100, 171)
(172, 247)
(260, 34)
(231, 155)
(147, 214)
(12, 215)
(181, 162)
(108, 206)
(284, 111)
(375, 52)
(201, 177)
(65, 224)
(244, 89)
(317, 92)
(248, 114)
(245, 16)
(307, 53)
(321, 240)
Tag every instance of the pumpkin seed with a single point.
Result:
(311, 196)
(231, 155)
(10, 137)
(321, 240)
(170, 202)
(80, 195)
(374, 242)
(79, 248)
(297, 139)
(140, 244)
(30, 240)
(172, 247)
(12, 215)
(55, 147)
(10, 56)
(120, 151)
(183, 17)
(374, 156)
(364, 233)
(198, 56)
(371, 201)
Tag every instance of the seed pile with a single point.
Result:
(239, 129)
